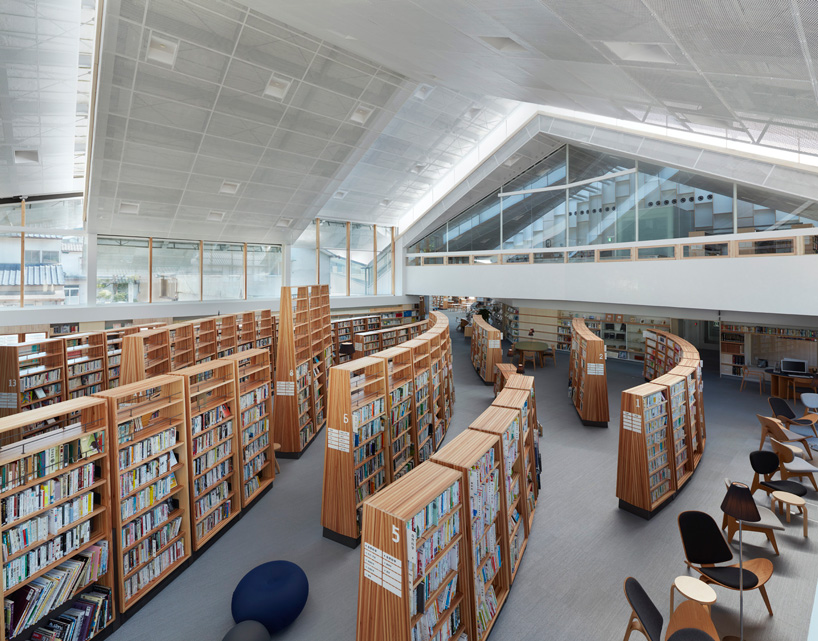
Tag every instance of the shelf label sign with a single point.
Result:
(383, 569)
(632, 422)
(285, 388)
(8, 400)
(494, 344)
(337, 440)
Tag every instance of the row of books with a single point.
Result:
(150, 545)
(210, 438)
(205, 420)
(39, 497)
(147, 448)
(18, 570)
(254, 397)
(145, 473)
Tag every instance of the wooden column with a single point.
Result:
(375, 259)
(348, 261)
(22, 252)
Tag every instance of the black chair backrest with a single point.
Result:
(764, 462)
(690, 634)
(649, 616)
(702, 539)
(780, 407)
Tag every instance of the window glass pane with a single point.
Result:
(584, 164)
(384, 260)
(11, 216)
(678, 204)
(361, 260)
(360, 237)
(334, 256)
(65, 213)
(534, 220)
(122, 270)
(58, 276)
(549, 171)
(264, 271)
(603, 212)
(223, 271)
(477, 228)
(765, 211)
(542, 257)
(302, 258)
(175, 270)
(434, 242)
(9, 268)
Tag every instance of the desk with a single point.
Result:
(781, 383)
(538, 348)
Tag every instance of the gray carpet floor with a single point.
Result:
(582, 546)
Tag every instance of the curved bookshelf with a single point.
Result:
(587, 375)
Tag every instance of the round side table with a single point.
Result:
(693, 589)
(788, 500)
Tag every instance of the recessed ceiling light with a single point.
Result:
(512, 160)
(340, 194)
(503, 44)
(640, 52)
(473, 112)
(162, 50)
(26, 156)
(278, 86)
(423, 91)
(385, 202)
(132, 209)
(361, 114)
(216, 216)
(229, 187)
(284, 222)
(419, 167)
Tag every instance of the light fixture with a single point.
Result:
(503, 44)
(26, 156)
(277, 87)
(640, 52)
(162, 50)
(512, 160)
(423, 91)
(216, 216)
(361, 114)
(229, 188)
(340, 194)
(473, 112)
(131, 209)
(284, 222)
(418, 168)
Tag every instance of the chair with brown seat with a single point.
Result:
(704, 546)
(773, 428)
(689, 622)
(765, 464)
(751, 375)
(792, 466)
(804, 425)
(767, 526)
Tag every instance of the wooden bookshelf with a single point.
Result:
(520, 400)
(86, 359)
(321, 351)
(294, 430)
(422, 414)
(586, 372)
(748, 344)
(72, 535)
(145, 354)
(502, 372)
(505, 423)
(476, 456)
(204, 339)
(63, 329)
(148, 428)
(245, 331)
(401, 452)
(254, 400)
(367, 343)
(533, 463)
(413, 541)
(486, 348)
(663, 351)
(226, 335)
(392, 318)
(32, 375)
(356, 454)
(182, 347)
(113, 343)
(214, 471)
(344, 331)
(265, 331)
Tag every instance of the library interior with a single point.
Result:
(305, 332)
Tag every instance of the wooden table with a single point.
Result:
(787, 499)
(693, 589)
(538, 348)
(781, 383)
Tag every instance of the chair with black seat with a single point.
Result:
(689, 622)
(765, 464)
(804, 425)
(774, 428)
(705, 546)
(767, 526)
(792, 466)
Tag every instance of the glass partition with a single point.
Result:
(302, 258)
(333, 256)
(758, 210)
(175, 270)
(264, 271)
(222, 271)
(384, 239)
(361, 259)
(123, 270)
(603, 212)
(10, 254)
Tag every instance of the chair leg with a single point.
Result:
(763, 590)
(812, 478)
(633, 624)
(771, 539)
(741, 387)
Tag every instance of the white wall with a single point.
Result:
(740, 288)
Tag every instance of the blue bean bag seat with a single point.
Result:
(247, 631)
(273, 593)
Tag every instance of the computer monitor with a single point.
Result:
(793, 366)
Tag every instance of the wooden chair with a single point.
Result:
(783, 412)
(749, 375)
(704, 546)
(549, 353)
(529, 356)
(811, 383)
(646, 618)
(765, 464)
(773, 428)
(691, 622)
(767, 525)
(276, 448)
(791, 466)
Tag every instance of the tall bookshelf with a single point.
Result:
(293, 421)
(56, 530)
(226, 335)
(151, 518)
(691, 368)
(367, 343)
(505, 423)
(511, 322)
(476, 456)
(344, 330)
(214, 472)
(204, 339)
(182, 348)
(265, 331)
(32, 375)
(681, 432)
(246, 331)
(422, 414)
(254, 400)
(86, 358)
(749, 344)
(520, 400)
(502, 372)
(533, 463)
(486, 348)
(145, 354)
(440, 424)
(321, 350)
(410, 583)
(400, 393)
(113, 343)
(356, 454)
(586, 372)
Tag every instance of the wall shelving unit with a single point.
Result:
(401, 451)
(145, 354)
(204, 339)
(113, 342)
(32, 375)
(422, 414)
(226, 335)
(86, 364)
(587, 377)
(245, 331)
(533, 463)
(367, 343)
(182, 348)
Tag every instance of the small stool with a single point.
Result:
(276, 448)
(785, 498)
(810, 401)
(693, 589)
